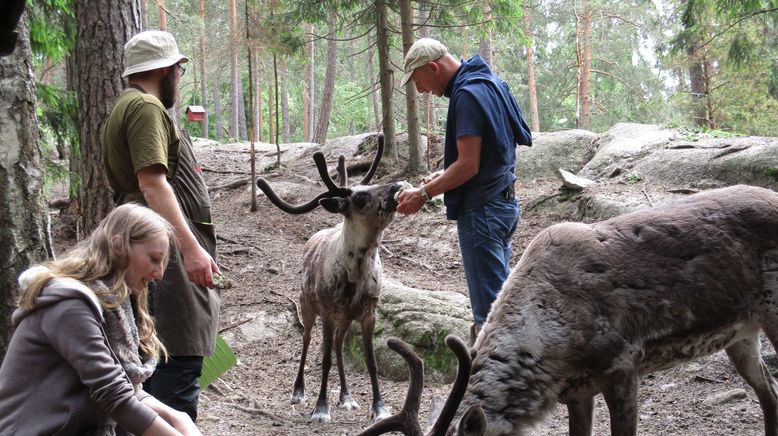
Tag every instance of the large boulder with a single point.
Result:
(566, 149)
(712, 162)
(621, 146)
(422, 319)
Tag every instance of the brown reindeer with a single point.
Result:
(592, 308)
(341, 277)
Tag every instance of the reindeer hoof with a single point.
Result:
(348, 403)
(297, 398)
(380, 412)
(321, 415)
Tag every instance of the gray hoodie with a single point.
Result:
(60, 375)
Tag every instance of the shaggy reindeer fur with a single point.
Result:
(341, 279)
(341, 283)
(592, 308)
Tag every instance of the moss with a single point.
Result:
(439, 358)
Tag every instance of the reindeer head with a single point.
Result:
(372, 205)
(472, 422)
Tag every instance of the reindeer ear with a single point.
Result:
(473, 422)
(334, 205)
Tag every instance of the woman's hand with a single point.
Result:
(169, 421)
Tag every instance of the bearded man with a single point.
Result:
(149, 162)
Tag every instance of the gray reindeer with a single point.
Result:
(341, 276)
(592, 308)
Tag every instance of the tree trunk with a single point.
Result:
(412, 110)
(103, 27)
(430, 119)
(271, 113)
(386, 76)
(373, 96)
(242, 113)
(583, 44)
(320, 137)
(260, 118)
(162, 15)
(309, 87)
(486, 47)
(234, 109)
(217, 112)
(533, 93)
(24, 225)
(287, 126)
(203, 78)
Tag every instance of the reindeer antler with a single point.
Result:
(374, 166)
(407, 420)
(460, 385)
(333, 190)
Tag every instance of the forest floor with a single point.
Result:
(261, 253)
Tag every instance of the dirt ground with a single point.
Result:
(261, 252)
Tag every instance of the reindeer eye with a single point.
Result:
(361, 199)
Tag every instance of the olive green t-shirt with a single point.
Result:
(139, 133)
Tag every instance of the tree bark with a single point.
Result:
(203, 79)
(583, 44)
(386, 76)
(486, 47)
(309, 87)
(533, 92)
(217, 112)
(271, 113)
(286, 131)
(320, 137)
(373, 96)
(24, 226)
(234, 109)
(103, 27)
(242, 129)
(412, 109)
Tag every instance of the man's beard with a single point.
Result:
(167, 88)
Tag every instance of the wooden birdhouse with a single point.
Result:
(195, 113)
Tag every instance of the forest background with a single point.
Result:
(283, 71)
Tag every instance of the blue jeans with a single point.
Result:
(485, 234)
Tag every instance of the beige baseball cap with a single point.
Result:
(150, 50)
(422, 52)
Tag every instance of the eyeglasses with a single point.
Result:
(182, 69)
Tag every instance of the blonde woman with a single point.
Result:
(84, 341)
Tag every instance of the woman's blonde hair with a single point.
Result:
(96, 259)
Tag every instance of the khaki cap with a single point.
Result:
(150, 50)
(422, 52)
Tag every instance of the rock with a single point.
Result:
(569, 149)
(421, 318)
(623, 145)
(725, 397)
(573, 182)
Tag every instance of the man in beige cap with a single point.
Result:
(148, 162)
(483, 126)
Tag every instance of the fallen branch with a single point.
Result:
(230, 185)
(235, 324)
(211, 170)
(650, 203)
(59, 203)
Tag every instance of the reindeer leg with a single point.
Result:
(746, 357)
(580, 414)
(321, 413)
(345, 402)
(298, 392)
(621, 396)
(379, 410)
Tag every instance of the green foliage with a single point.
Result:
(58, 123)
(633, 178)
(52, 27)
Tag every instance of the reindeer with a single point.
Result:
(592, 308)
(341, 277)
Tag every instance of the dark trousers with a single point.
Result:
(175, 383)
